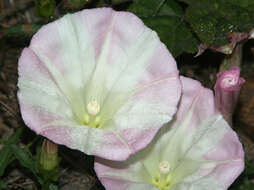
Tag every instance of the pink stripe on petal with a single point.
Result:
(190, 89)
(36, 118)
(58, 134)
(98, 22)
(198, 102)
(229, 148)
(225, 174)
(133, 136)
(113, 147)
(204, 108)
(159, 66)
(103, 166)
(114, 184)
(165, 91)
(46, 41)
(129, 28)
(29, 64)
(229, 152)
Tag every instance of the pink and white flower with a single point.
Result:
(197, 150)
(98, 81)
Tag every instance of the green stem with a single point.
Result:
(235, 59)
(31, 143)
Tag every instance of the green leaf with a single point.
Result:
(5, 159)
(214, 20)
(75, 4)
(249, 168)
(3, 185)
(14, 138)
(146, 8)
(6, 153)
(115, 2)
(242, 184)
(53, 187)
(167, 19)
(45, 8)
(24, 157)
(49, 186)
(20, 30)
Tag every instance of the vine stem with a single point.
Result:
(235, 59)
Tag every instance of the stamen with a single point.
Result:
(93, 107)
(162, 180)
(86, 119)
(164, 167)
(97, 121)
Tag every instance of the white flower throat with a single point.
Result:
(162, 179)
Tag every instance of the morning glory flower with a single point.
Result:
(227, 90)
(195, 151)
(98, 81)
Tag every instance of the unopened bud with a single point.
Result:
(227, 89)
(49, 155)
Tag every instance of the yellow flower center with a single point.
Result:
(163, 179)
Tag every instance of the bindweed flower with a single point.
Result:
(195, 151)
(227, 90)
(98, 81)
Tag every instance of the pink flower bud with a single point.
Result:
(227, 89)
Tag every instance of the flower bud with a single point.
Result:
(49, 155)
(227, 89)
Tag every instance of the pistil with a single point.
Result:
(163, 179)
(93, 108)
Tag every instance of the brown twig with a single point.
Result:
(19, 6)
(9, 110)
(1, 4)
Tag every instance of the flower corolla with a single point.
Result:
(98, 81)
(197, 150)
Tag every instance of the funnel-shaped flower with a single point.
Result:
(227, 90)
(195, 151)
(98, 81)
